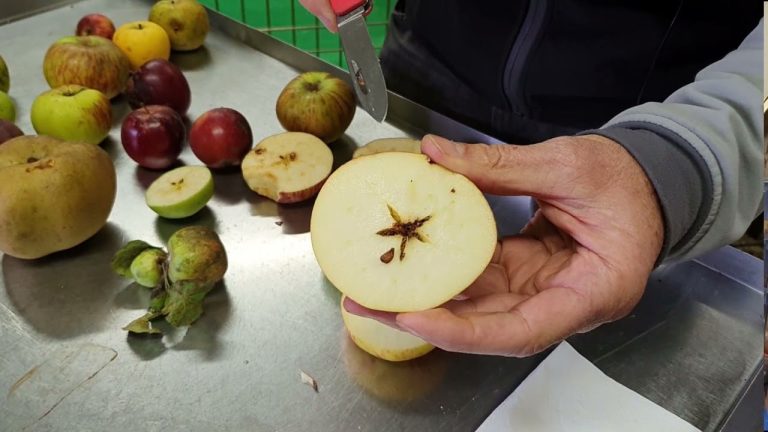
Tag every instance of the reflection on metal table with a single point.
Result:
(693, 345)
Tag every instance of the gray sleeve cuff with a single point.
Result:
(679, 176)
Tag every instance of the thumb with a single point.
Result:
(502, 169)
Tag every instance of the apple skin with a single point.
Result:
(158, 82)
(221, 137)
(317, 103)
(72, 113)
(185, 21)
(8, 130)
(142, 41)
(7, 108)
(53, 194)
(153, 136)
(5, 77)
(95, 25)
(89, 61)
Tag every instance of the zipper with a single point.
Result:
(518, 55)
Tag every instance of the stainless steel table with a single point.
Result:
(693, 345)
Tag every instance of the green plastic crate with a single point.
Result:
(288, 21)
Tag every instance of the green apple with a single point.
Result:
(5, 77)
(53, 194)
(381, 340)
(181, 192)
(72, 113)
(382, 224)
(185, 21)
(7, 109)
(317, 103)
(147, 268)
(89, 61)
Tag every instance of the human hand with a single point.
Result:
(323, 11)
(582, 260)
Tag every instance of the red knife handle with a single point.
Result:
(343, 7)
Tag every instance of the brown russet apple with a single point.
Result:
(89, 61)
(316, 103)
(53, 194)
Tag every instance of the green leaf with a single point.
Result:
(142, 325)
(121, 262)
(184, 303)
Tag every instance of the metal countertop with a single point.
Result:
(693, 345)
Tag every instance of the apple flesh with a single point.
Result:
(8, 130)
(181, 192)
(53, 194)
(95, 25)
(158, 82)
(220, 137)
(384, 145)
(153, 136)
(89, 61)
(288, 167)
(381, 340)
(397, 233)
(72, 113)
(316, 103)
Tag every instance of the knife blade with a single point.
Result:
(364, 68)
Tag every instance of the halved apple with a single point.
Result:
(383, 145)
(180, 192)
(397, 233)
(288, 167)
(381, 340)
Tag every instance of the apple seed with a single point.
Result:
(259, 150)
(405, 230)
(386, 258)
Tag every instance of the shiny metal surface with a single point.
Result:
(692, 345)
(363, 63)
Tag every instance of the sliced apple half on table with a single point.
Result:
(381, 340)
(288, 167)
(180, 192)
(384, 145)
(397, 233)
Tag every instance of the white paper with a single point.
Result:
(566, 392)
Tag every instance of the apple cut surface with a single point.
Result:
(288, 167)
(381, 340)
(383, 145)
(396, 233)
(181, 192)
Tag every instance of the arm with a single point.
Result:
(702, 150)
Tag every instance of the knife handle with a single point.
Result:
(343, 7)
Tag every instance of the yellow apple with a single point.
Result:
(185, 21)
(142, 41)
(53, 194)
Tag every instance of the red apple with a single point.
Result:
(158, 82)
(95, 25)
(8, 130)
(153, 136)
(221, 137)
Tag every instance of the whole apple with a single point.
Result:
(8, 130)
(221, 137)
(5, 78)
(158, 82)
(185, 21)
(153, 136)
(95, 25)
(89, 61)
(53, 194)
(317, 103)
(72, 113)
(7, 108)
(142, 41)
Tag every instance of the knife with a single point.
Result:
(364, 68)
